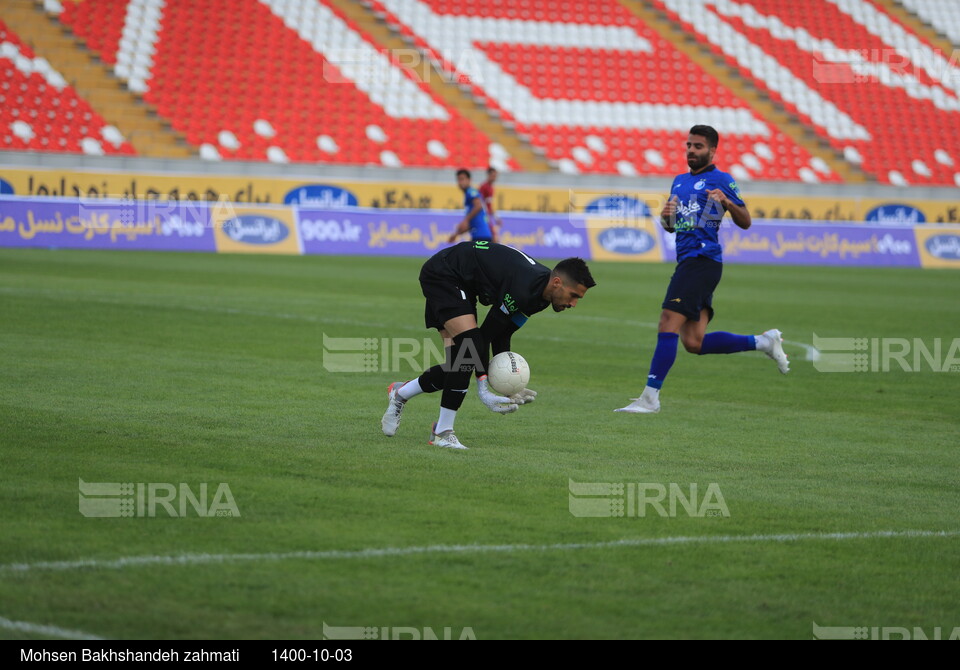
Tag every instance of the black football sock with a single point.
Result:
(464, 358)
(431, 380)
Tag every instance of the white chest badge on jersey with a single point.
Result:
(691, 207)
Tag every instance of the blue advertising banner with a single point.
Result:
(421, 233)
(105, 224)
(298, 229)
(813, 244)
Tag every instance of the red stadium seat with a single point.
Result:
(646, 87)
(204, 86)
(593, 87)
(896, 126)
(45, 106)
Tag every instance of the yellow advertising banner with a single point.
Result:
(636, 242)
(939, 246)
(384, 195)
(252, 230)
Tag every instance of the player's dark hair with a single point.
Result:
(463, 171)
(708, 133)
(575, 270)
(491, 169)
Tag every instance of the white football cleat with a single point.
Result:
(775, 350)
(445, 439)
(641, 405)
(391, 418)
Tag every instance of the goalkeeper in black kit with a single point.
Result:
(515, 287)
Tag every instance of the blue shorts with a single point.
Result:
(692, 286)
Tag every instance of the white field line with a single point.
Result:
(385, 552)
(48, 631)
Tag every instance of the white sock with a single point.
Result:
(763, 342)
(445, 422)
(650, 393)
(410, 389)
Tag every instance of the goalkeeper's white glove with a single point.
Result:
(496, 403)
(524, 397)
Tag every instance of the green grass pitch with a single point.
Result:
(180, 368)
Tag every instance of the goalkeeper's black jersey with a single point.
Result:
(497, 275)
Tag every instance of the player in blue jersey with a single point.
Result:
(475, 220)
(697, 203)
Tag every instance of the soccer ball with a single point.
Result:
(508, 373)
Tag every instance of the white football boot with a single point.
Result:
(772, 346)
(647, 403)
(445, 439)
(391, 418)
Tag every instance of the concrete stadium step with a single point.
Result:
(918, 25)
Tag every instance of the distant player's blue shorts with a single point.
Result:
(692, 286)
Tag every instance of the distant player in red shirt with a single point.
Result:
(486, 194)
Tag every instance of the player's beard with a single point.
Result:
(697, 162)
